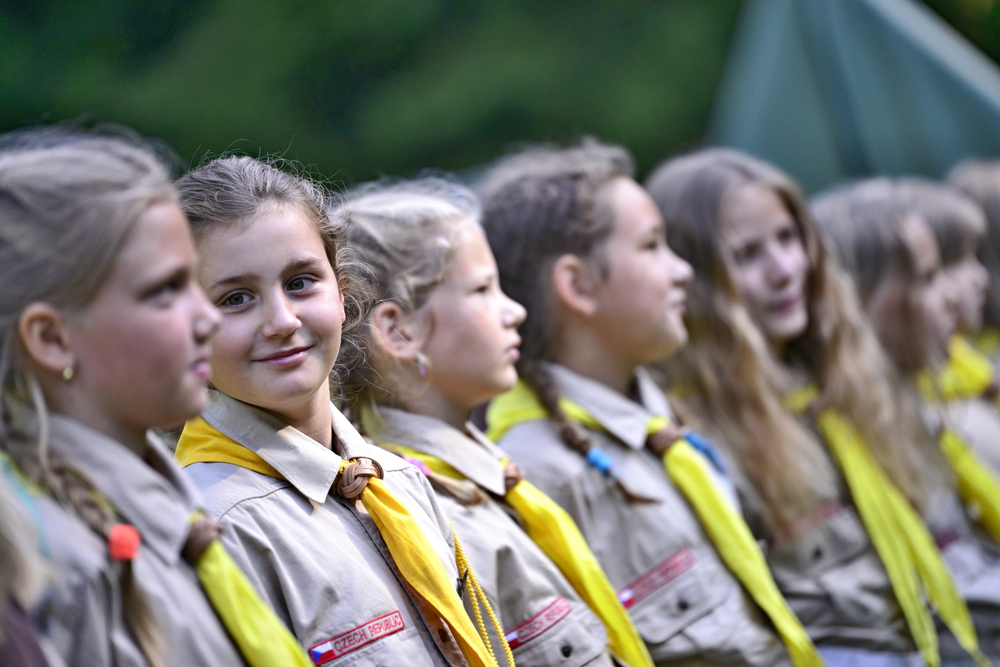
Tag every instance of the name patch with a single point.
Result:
(351, 640)
(539, 623)
(657, 578)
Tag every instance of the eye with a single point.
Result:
(747, 253)
(787, 235)
(164, 293)
(300, 283)
(234, 301)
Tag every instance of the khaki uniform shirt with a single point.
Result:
(318, 558)
(828, 571)
(684, 601)
(978, 421)
(84, 617)
(545, 619)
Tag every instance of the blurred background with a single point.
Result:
(363, 89)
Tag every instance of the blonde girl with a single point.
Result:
(344, 540)
(913, 305)
(771, 312)
(104, 335)
(442, 340)
(581, 245)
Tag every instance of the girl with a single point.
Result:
(980, 181)
(105, 335)
(879, 225)
(964, 388)
(772, 312)
(583, 247)
(443, 340)
(342, 539)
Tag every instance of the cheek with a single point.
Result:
(231, 345)
(746, 280)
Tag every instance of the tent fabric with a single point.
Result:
(837, 89)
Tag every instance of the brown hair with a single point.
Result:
(538, 205)
(234, 190)
(980, 181)
(728, 374)
(67, 206)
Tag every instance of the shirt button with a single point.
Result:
(567, 650)
(818, 553)
(683, 604)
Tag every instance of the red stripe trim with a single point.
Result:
(657, 578)
(539, 623)
(352, 640)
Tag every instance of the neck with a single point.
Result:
(312, 416)
(76, 406)
(431, 404)
(581, 350)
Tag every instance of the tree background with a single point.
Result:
(361, 89)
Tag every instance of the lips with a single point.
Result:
(202, 368)
(285, 358)
(513, 353)
(784, 306)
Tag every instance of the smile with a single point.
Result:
(286, 358)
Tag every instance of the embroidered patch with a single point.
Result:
(539, 623)
(351, 640)
(657, 578)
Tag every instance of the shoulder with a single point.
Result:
(223, 486)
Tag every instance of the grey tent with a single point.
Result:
(835, 89)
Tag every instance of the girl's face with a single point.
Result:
(282, 311)
(473, 342)
(641, 299)
(769, 260)
(916, 316)
(970, 279)
(141, 348)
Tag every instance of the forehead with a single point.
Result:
(753, 211)
(158, 241)
(262, 244)
(632, 209)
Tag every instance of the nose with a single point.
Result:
(280, 318)
(514, 313)
(780, 266)
(207, 317)
(681, 271)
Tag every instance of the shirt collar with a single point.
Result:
(470, 453)
(153, 495)
(620, 416)
(306, 464)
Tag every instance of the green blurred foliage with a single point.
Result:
(362, 89)
(380, 87)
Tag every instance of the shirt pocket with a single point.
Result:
(572, 641)
(671, 596)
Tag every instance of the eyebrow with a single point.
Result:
(298, 264)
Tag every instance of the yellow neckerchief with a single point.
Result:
(689, 472)
(261, 637)
(557, 535)
(988, 341)
(902, 541)
(410, 550)
(967, 373)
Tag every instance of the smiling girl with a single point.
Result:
(443, 340)
(105, 335)
(342, 539)
(583, 247)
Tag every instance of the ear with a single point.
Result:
(573, 283)
(395, 332)
(45, 337)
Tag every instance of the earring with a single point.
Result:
(421, 365)
(67, 373)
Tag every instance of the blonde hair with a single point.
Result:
(22, 574)
(404, 233)
(728, 374)
(68, 203)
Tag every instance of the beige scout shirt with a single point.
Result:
(84, 617)
(974, 561)
(317, 558)
(978, 421)
(684, 602)
(545, 620)
(829, 572)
